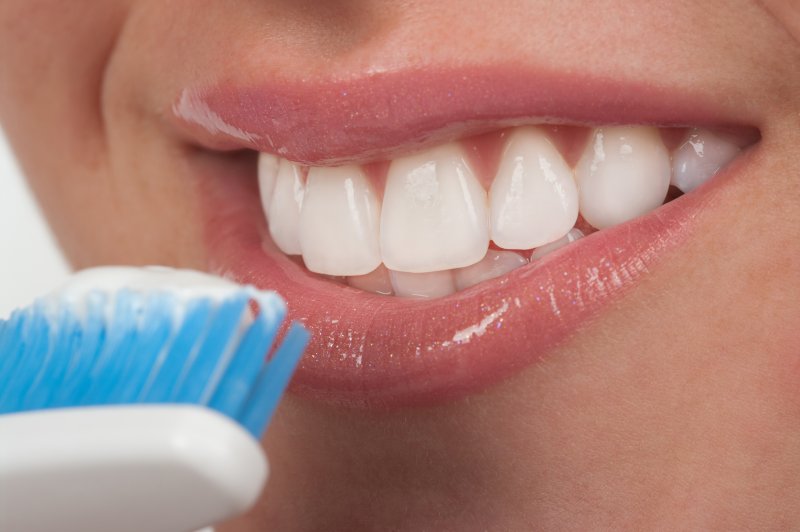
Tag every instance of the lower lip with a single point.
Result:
(371, 350)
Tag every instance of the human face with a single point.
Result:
(644, 376)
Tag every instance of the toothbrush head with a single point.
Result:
(129, 345)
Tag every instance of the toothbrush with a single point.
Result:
(134, 399)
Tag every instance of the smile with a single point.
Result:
(422, 253)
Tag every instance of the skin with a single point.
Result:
(677, 409)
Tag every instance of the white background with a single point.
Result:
(30, 263)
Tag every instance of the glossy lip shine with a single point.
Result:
(373, 350)
(378, 116)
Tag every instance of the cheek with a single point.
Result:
(60, 121)
(51, 90)
(50, 100)
(787, 12)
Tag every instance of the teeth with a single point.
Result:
(377, 281)
(339, 222)
(494, 264)
(423, 285)
(623, 173)
(267, 174)
(533, 198)
(431, 234)
(284, 208)
(572, 236)
(434, 213)
(700, 157)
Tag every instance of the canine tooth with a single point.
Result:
(623, 173)
(423, 285)
(284, 208)
(376, 281)
(494, 264)
(533, 199)
(434, 213)
(267, 174)
(339, 222)
(572, 236)
(701, 155)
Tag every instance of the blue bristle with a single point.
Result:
(66, 337)
(83, 358)
(11, 345)
(272, 381)
(110, 364)
(241, 373)
(31, 353)
(10, 335)
(131, 348)
(211, 351)
(169, 367)
(154, 330)
(124, 347)
(45, 349)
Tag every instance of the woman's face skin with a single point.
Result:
(675, 406)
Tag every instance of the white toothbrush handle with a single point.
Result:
(125, 468)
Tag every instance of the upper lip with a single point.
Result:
(377, 116)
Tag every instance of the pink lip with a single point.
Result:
(380, 115)
(373, 350)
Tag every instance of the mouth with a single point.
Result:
(439, 232)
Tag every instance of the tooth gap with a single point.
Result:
(673, 193)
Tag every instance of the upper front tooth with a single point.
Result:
(284, 208)
(700, 157)
(533, 198)
(339, 222)
(267, 174)
(434, 213)
(623, 173)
